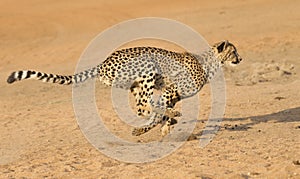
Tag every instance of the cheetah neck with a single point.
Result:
(210, 63)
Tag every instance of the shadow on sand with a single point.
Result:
(288, 115)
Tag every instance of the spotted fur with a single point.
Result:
(143, 69)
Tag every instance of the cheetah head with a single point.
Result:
(227, 53)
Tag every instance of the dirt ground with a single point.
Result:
(259, 136)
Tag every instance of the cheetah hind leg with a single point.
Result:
(142, 90)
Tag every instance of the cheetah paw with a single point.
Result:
(172, 113)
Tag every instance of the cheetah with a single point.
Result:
(145, 69)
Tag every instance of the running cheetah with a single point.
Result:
(143, 69)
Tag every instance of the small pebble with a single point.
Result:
(279, 97)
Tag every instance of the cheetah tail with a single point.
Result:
(51, 78)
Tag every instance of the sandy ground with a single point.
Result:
(259, 136)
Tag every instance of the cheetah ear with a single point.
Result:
(222, 45)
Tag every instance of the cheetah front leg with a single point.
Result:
(166, 126)
(170, 97)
